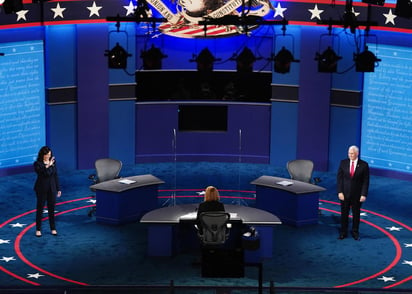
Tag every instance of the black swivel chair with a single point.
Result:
(106, 169)
(218, 260)
(213, 228)
(300, 170)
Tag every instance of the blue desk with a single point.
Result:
(125, 200)
(295, 204)
(164, 223)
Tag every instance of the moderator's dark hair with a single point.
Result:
(43, 151)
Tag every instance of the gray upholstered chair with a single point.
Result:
(300, 170)
(106, 169)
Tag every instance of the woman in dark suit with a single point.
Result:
(352, 185)
(211, 203)
(47, 187)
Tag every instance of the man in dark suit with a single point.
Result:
(353, 186)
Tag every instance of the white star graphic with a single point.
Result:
(21, 15)
(92, 201)
(58, 11)
(279, 11)
(393, 228)
(387, 279)
(364, 214)
(17, 225)
(315, 12)
(355, 13)
(130, 8)
(390, 18)
(2, 241)
(34, 276)
(406, 244)
(94, 10)
(408, 262)
(7, 259)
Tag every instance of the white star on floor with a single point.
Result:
(394, 228)
(94, 10)
(2, 241)
(408, 262)
(21, 15)
(387, 279)
(390, 18)
(279, 10)
(17, 225)
(58, 11)
(92, 201)
(34, 276)
(7, 259)
(315, 12)
(407, 244)
(364, 214)
(130, 8)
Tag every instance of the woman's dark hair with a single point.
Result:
(43, 151)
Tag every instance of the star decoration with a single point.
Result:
(92, 201)
(58, 11)
(130, 8)
(393, 228)
(406, 244)
(408, 262)
(17, 225)
(354, 12)
(21, 15)
(390, 18)
(7, 259)
(279, 11)
(34, 276)
(364, 214)
(387, 279)
(2, 241)
(315, 12)
(94, 10)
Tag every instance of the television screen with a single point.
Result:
(202, 118)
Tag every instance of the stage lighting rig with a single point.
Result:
(365, 61)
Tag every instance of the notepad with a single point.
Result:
(284, 183)
(126, 181)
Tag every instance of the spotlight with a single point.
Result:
(404, 8)
(245, 60)
(11, 6)
(152, 58)
(328, 60)
(205, 61)
(365, 61)
(283, 60)
(117, 57)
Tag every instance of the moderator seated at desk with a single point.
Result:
(294, 202)
(164, 221)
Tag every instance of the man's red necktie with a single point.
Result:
(352, 169)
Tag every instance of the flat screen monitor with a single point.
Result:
(212, 118)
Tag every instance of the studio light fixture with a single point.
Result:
(328, 60)
(117, 56)
(283, 60)
(245, 60)
(152, 58)
(365, 61)
(205, 60)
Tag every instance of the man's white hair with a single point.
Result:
(354, 147)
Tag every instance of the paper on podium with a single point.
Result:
(126, 181)
(193, 215)
(285, 183)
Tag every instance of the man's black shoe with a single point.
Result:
(342, 236)
(356, 236)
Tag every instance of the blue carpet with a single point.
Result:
(87, 253)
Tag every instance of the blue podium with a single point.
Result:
(125, 200)
(295, 203)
